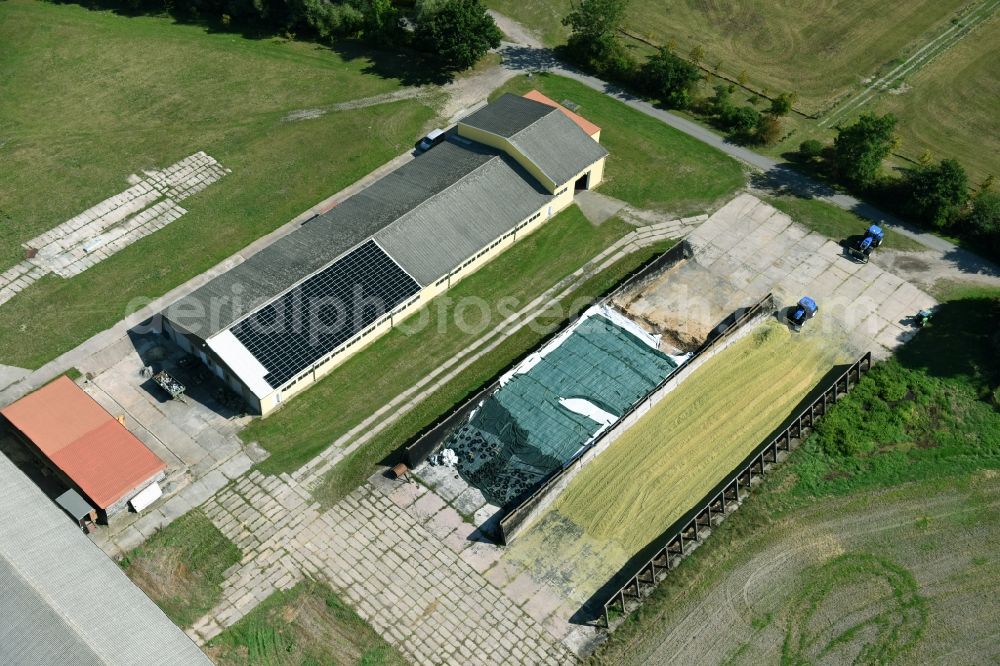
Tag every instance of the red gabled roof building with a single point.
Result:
(91, 449)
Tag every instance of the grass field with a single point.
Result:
(90, 97)
(651, 165)
(180, 567)
(885, 525)
(306, 625)
(949, 107)
(820, 52)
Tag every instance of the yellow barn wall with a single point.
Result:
(501, 143)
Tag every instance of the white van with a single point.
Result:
(433, 138)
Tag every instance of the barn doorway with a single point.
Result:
(582, 183)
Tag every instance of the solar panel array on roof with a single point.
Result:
(325, 311)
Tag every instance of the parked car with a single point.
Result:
(433, 138)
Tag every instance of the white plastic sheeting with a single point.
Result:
(605, 311)
(588, 409)
(145, 497)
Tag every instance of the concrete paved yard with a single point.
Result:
(756, 249)
(195, 436)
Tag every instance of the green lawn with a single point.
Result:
(307, 624)
(359, 465)
(180, 567)
(90, 97)
(836, 223)
(651, 165)
(404, 355)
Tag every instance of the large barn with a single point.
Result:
(289, 314)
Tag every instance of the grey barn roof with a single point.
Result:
(64, 601)
(542, 133)
(435, 238)
(422, 195)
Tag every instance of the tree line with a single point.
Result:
(454, 33)
(937, 195)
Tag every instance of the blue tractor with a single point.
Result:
(862, 249)
(801, 313)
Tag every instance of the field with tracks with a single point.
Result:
(820, 52)
(902, 576)
(949, 107)
(934, 64)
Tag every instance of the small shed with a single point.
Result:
(93, 452)
(78, 508)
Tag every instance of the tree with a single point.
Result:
(983, 221)
(741, 121)
(782, 105)
(593, 25)
(811, 149)
(381, 21)
(697, 54)
(938, 193)
(768, 129)
(669, 78)
(860, 148)
(458, 32)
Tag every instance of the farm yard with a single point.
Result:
(580, 443)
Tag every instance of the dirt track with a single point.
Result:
(944, 541)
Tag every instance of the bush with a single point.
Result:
(937, 193)
(768, 130)
(983, 220)
(782, 104)
(721, 102)
(669, 78)
(741, 121)
(811, 149)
